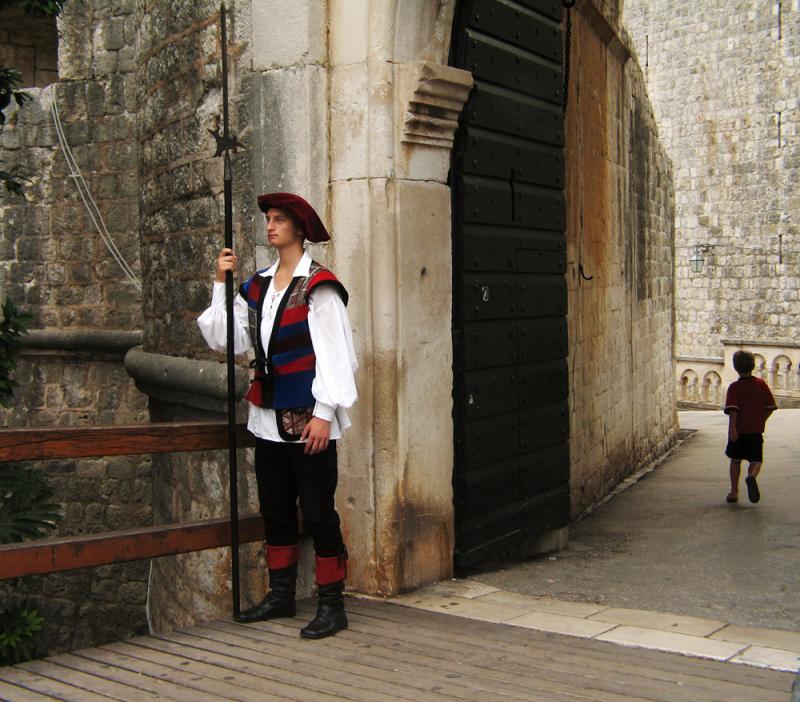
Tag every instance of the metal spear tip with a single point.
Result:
(225, 143)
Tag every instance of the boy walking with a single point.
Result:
(748, 404)
(293, 315)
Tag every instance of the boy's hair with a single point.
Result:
(744, 362)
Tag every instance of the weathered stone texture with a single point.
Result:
(619, 267)
(179, 91)
(29, 44)
(724, 81)
(54, 264)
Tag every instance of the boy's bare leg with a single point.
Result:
(736, 469)
(754, 469)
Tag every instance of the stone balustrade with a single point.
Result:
(703, 380)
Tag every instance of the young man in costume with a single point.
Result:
(293, 315)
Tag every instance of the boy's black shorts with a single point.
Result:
(749, 447)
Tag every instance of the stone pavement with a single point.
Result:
(665, 563)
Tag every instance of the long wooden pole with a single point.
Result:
(233, 470)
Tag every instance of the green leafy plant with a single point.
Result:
(17, 627)
(27, 509)
(12, 327)
(12, 180)
(10, 78)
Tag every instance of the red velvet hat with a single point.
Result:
(300, 210)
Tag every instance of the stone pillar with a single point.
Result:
(392, 125)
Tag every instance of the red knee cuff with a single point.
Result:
(331, 570)
(279, 557)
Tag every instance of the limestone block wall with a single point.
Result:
(619, 267)
(86, 313)
(29, 44)
(179, 79)
(723, 79)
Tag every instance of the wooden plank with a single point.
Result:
(501, 643)
(137, 680)
(535, 656)
(388, 653)
(423, 662)
(88, 550)
(55, 689)
(367, 679)
(535, 666)
(671, 662)
(255, 672)
(117, 440)
(416, 677)
(300, 688)
(20, 694)
(212, 679)
(471, 669)
(86, 681)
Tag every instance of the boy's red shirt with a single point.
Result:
(751, 398)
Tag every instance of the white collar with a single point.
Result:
(302, 269)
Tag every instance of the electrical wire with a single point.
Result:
(88, 200)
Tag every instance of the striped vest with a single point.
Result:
(289, 359)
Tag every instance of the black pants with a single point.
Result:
(284, 473)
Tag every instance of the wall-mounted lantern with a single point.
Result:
(697, 260)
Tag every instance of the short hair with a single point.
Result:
(744, 361)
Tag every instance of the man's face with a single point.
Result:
(281, 229)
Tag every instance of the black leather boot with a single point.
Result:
(279, 601)
(330, 613)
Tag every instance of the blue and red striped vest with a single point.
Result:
(289, 358)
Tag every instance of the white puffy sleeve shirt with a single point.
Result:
(334, 386)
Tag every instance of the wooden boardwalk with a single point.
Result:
(389, 652)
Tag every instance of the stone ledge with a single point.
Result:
(719, 360)
(183, 381)
(70, 340)
(761, 342)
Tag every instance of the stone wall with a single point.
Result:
(619, 267)
(179, 77)
(86, 313)
(29, 44)
(723, 80)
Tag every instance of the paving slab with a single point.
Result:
(541, 604)
(675, 643)
(764, 657)
(461, 606)
(771, 638)
(677, 624)
(559, 624)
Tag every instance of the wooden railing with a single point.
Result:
(86, 550)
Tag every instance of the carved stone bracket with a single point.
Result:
(434, 97)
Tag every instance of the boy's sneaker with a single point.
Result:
(752, 489)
